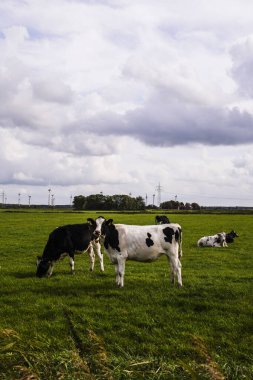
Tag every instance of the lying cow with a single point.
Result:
(69, 239)
(218, 240)
(230, 237)
(162, 219)
(142, 243)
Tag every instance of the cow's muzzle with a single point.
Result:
(97, 234)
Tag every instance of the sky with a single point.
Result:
(121, 96)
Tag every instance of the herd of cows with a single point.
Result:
(121, 242)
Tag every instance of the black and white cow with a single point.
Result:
(218, 240)
(230, 237)
(142, 243)
(162, 219)
(68, 240)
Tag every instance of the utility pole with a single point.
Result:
(153, 199)
(29, 200)
(146, 198)
(70, 201)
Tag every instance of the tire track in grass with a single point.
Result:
(89, 345)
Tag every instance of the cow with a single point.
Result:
(68, 240)
(230, 236)
(142, 243)
(218, 240)
(162, 219)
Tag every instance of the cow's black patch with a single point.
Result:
(230, 237)
(168, 232)
(162, 219)
(178, 234)
(112, 238)
(149, 241)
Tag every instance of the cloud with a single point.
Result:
(86, 83)
(242, 55)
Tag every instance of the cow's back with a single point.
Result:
(66, 239)
(147, 242)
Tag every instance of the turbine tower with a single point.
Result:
(159, 190)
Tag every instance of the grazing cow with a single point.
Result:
(142, 243)
(69, 239)
(162, 219)
(230, 237)
(218, 240)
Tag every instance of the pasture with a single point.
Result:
(83, 327)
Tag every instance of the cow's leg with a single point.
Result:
(72, 264)
(91, 256)
(97, 247)
(175, 265)
(117, 274)
(50, 271)
(120, 271)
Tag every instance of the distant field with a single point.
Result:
(83, 327)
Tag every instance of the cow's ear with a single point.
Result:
(109, 221)
(92, 221)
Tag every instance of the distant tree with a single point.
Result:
(181, 206)
(95, 202)
(139, 203)
(107, 202)
(195, 206)
(79, 202)
(150, 207)
(170, 205)
(188, 206)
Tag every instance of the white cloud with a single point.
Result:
(93, 90)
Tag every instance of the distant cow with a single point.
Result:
(142, 243)
(218, 240)
(162, 219)
(230, 237)
(68, 240)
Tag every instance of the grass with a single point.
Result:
(83, 327)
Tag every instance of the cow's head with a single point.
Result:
(96, 225)
(43, 267)
(233, 234)
(106, 227)
(110, 235)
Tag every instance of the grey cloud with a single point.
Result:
(179, 124)
(242, 56)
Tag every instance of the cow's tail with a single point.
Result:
(180, 247)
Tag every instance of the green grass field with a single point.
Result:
(83, 327)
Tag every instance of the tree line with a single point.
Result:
(125, 202)
(108, 202)
(175, 205)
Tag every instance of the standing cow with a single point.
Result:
(142, 243)
(68, 240)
